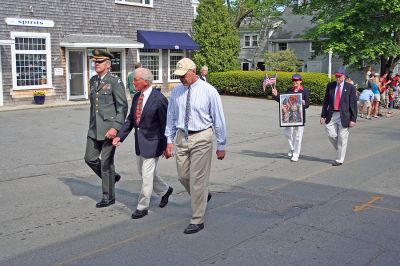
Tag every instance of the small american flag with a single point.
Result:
(268, 81)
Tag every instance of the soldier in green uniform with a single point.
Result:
(131, 77)
(108, 109)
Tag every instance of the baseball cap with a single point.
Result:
(341, 71)
(296, 77)
(183, 66)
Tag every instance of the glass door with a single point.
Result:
(77, 86)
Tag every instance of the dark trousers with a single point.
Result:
(103, 167)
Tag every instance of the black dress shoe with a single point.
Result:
(164, 199)
(117, 178)
(209, 196)
(193, 228)
(105, 203)
(335, 163)
(139, 214)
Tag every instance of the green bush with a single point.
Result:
(249, 83)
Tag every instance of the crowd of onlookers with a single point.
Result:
(382, 92)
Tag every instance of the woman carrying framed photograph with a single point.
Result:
(291, 117)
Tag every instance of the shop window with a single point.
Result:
(173, 57)
(151, 59)
(31, 63)
(146, 3)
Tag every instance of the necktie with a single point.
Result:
(187, 114)
(336, 106)
(139, 108)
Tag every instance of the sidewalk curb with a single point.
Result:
(41, 106)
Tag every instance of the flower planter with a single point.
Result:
(39, 99)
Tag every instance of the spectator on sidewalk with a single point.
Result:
(365, 99)
(131, 77)
(374, 84)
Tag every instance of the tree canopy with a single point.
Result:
(219, 40)
(260, 10)
(282, 61)
(367, 30)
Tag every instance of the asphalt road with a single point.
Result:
(265, 209)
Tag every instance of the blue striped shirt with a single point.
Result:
(206, 111)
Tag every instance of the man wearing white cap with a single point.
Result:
(194, 112)
(339, 113)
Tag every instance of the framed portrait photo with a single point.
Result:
(291, 110)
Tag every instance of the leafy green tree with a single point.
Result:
(282, 61)
(219, 40)
(261, 11)
(367, 30)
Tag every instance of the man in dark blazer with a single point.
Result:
(148, 116)
(339, 113)
(108, 108)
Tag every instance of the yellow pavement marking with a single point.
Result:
(383, 208)
(125, 241)
(362, 207)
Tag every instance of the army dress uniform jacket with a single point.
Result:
(108, 105)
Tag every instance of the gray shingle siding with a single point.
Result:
(88, 17)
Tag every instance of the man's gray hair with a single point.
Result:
(205, 68)
(145, 74)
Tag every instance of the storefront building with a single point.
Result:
(47, 45)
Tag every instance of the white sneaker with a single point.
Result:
(361, 115)
(294, 159)
(290, 153)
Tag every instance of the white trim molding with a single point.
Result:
(46, 52)
(135, 3)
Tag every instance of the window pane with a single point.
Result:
(255, 41)
(151, 62)
(246, 40)
(173, 59)
(31, 69)
(143, 2)
(282, 46)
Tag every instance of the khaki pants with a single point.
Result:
(193, 161)
(151, 181)
(338, 136)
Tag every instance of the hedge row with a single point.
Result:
(249, 83)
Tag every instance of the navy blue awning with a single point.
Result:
(166, 40)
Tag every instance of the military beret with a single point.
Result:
(100, 55)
